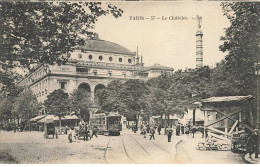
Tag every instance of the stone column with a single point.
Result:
(199, 49)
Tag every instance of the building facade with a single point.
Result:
(91, 67)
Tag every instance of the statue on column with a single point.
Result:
(199, 20)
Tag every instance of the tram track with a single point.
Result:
(140, 146)
(161, 148)
(124, 148)
(106, 151)
(126, 151)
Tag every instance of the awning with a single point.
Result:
(70, 117)
(48, 119)
(52, 118)
(226, 99)
(37, 118)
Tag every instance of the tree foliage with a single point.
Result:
(6, 107)
(26, 106)
(46, 32)
(240, 41)
(126, 98)
(57, 103)
(80, 102)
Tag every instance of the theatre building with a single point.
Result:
(100, 63)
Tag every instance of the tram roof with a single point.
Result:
(111, 114)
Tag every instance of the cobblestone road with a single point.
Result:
(128, 148)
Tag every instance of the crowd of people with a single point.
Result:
(84, 130)
(179, 130)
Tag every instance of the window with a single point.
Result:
(90, 57)
(80, 56)
(120, 59)
(110, 73)
(95, 72)
(110, 58)
(100, 57)
(129, 61)
(63, 85)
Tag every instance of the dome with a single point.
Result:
(105, 46)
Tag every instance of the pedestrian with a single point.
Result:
(141, 127)
(251, 145)
(133, 127)
(159, 129)
(193, 130)
(152, 132)
(169, 133)
(144, 131)
(178, 128)
(94, 131)
(148, 128)
(182, 129)
(70, 134)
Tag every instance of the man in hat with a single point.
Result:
(169, 133)
(152, 132)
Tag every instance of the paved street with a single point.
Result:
(129, 147)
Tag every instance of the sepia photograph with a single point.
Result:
(129, 82)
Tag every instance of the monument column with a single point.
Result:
(199, 45)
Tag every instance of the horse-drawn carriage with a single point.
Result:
(82, 131)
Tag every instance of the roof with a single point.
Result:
(105, 46)
(35, 119)
(157, 66)
(48, 119)
(226, 99)
(52, 118)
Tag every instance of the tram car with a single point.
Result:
(107, 123)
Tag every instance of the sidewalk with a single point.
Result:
(188, 153)
(252, 160)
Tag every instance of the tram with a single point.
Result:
(107, 123)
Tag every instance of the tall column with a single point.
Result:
(199, 49)
(199, 46)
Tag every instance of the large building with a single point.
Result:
(100, 63)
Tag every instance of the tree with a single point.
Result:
(109, 98)
(126, 98)
(8, 88)
(6, 107)
(57, 103)
(133, 95)
(80, 101)
(46, 32)
(25, 106)
(240, 41)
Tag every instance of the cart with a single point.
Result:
(49, 129)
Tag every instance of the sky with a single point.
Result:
(170, 43)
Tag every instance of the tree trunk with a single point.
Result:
(168, 121)
(60, 121)
(29, 124)
(165, 124)
(137, 120)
